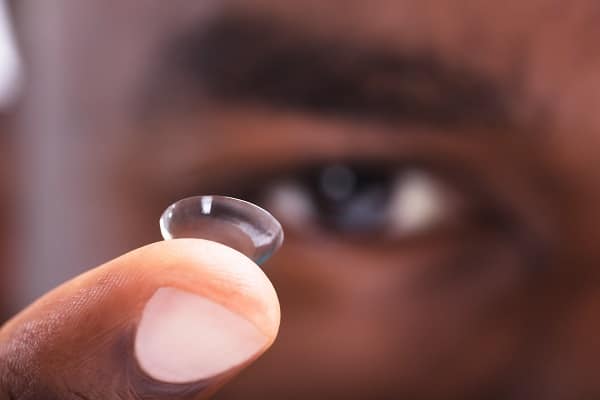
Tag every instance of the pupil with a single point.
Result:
(338, 182)
(352, 199)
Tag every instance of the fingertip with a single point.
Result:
(215, 271)
(184, 314)
(192, 330)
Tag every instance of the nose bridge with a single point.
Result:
(572, 148)
(579, 226)
(562, 170)
(563, 323)
(569, 297)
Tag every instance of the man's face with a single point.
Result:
(434, 164)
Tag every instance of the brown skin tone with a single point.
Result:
(66, 322)
(500, 303)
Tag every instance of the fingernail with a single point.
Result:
(183, 337)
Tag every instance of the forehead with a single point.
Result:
(467, 27)
(546, 48)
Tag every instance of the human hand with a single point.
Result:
(174, 319)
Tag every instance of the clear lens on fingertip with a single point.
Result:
(236, 223)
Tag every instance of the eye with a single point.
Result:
(365, 200)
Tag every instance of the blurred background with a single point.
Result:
(434, 165)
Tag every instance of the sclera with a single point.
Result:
(236, 223)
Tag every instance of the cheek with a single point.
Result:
(568, 364)
(425, 319)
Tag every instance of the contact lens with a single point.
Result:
(236, 223)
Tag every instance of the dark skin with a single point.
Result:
(494, 104)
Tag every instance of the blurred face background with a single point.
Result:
(434, 164)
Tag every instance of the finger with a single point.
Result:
(174, 319)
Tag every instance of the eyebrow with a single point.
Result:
(249, 59)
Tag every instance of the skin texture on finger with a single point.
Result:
(145, 325)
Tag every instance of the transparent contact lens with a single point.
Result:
(236, 223)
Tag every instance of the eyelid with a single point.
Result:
(417, 200)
